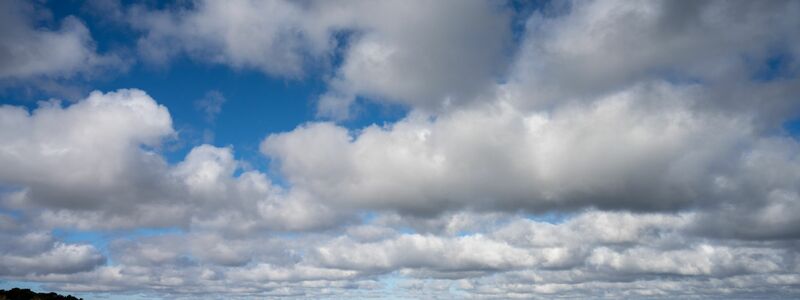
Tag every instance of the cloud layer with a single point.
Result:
(597, 149)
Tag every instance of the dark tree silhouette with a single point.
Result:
(26, 294)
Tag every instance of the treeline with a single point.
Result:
(26, 294)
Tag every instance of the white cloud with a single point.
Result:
(428, 55)
(421, 54)
(26, 252)
(29, 51)
(79, 155)
(601, 46)
(264, 35)
(642, 149)
(472, 253)
(94, 164)
(62, 258)
(640, 131)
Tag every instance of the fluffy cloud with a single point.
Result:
(62, 258)
(29, 51)
(411, 53)
(264, 35)
(429, 55)
(436, 56)
(629, 150)
(30, 252)
(596, 47)
(218, 197)
(637, 255)
(638, 137)
(639, 149)
(94, 164)
(80, 155)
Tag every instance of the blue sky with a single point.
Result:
(400, 149)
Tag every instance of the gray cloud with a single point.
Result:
(637, 255)
(427, 55)
(94, 164)
(642, 149)
(60, 157)
(264, 35)
(422, 54)
(34, 252)
(30, 52)
(602, 46)
(632, 150)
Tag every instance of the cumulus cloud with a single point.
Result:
(434, 56)
(429, 55)
(639, 149)
(264, 35)
(30, 51)
(95, 164)
(420, 53)
(602, 46)
(62, 258)
(618, 150)
(34, 252)
(60, 156)
(638, 255)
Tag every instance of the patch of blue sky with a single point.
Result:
(96, 238)
(465, 233)
(10, 284)
(366, 113)
(554, 218)
(13, 213)
(521, 12)
(368, 216)
(773, 67)
(391, 288)
(792, 127)
(406, 230)
(255, 103)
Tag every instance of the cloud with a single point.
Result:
(80, 155)
(249, 198)
(264, 35)
(62, 258)
(211, 104)
(420, 54)
(427, 55)
(617, 150)
(95, 164)
(638, 255)
(601, 46)
(642, 149)
(30, 51)
(32, 252)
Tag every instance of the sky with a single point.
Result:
(389, 149)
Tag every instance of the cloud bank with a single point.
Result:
(592, 149)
